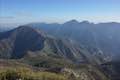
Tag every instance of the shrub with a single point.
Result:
(28, 74)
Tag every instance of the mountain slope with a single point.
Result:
(101, 40)
(18, 42)
(41, 51)
(15, 42)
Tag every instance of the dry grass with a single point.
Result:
(28, 74)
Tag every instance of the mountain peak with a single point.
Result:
(85, 22)
(29, 29)
(72, 22)
(24, 28)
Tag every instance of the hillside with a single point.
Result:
(101, 40)
(23, 40)
(32, 48)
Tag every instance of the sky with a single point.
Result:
(25, 11)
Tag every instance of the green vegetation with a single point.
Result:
(28, 74)
(48, 62)
(45, 68)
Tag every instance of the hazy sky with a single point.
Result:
(22, 11)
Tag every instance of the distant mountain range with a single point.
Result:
(99, 39)
(72, 44)
(2, 29)
(8, 26)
